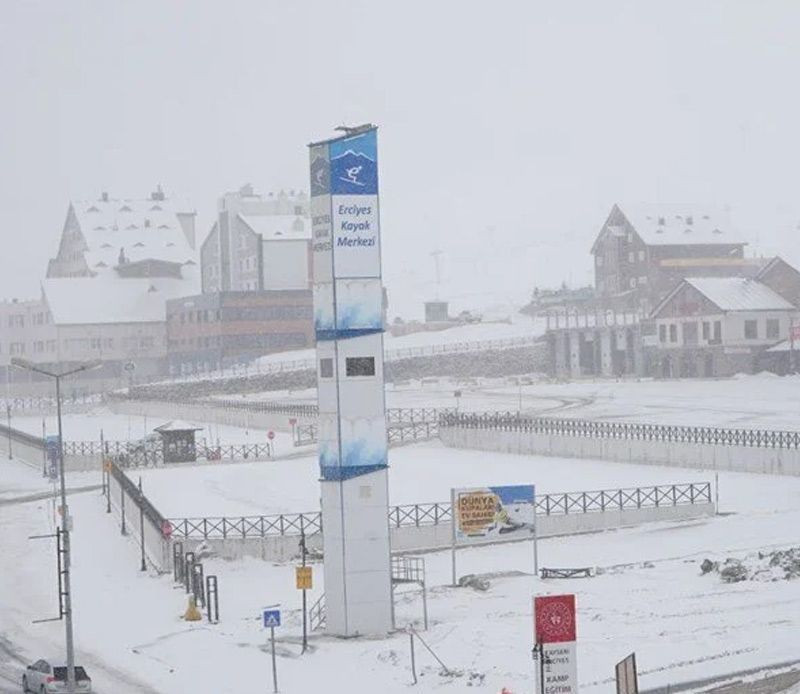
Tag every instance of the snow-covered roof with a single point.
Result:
(143, 228)
(178, 425)
(678, 224)
(92, 300)
(739, 294)
(276, 227)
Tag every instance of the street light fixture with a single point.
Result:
(65, 520)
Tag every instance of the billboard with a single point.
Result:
(555, 631)
(489, 514)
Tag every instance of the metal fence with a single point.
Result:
(419, 515)
(509, 421)
(133, 454)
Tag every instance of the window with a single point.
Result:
(773, 328)
(633, 282)
(706, 330)
(326, 368)
(16, 321)
(751, 330)
(641, 256)
(690, 333)
(673, 333)
(598, 261)
(717, 332)
(662, 333)
(360, 366)
(631, 257)
(643, 280)
(95, 343)
(17, 348)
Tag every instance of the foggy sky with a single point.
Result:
(507, 130)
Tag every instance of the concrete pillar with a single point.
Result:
(605, 352)
(574, 353)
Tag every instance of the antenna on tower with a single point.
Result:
(437, 255)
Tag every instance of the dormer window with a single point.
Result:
(106, 245)
(92, 209)
(190, 262)
(125, 208)
(100, 228)
(138, 244)
(170, 244)
(131, 226)
(163, 226)
(100, 264)
(156, 208)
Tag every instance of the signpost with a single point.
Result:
(555, 643)
(270, 437)
(272, 619)
(627, 679)
(52, 445)
(484, 515)
(303, 577)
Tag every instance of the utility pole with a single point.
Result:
(8, 415)
(66, 521)
(141, 525)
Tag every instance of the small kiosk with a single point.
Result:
(178, 441)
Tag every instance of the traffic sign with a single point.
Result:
(292, 421)
(270, 435)
(272, 618)
(303, 577)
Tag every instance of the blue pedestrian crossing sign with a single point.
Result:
(272, 618)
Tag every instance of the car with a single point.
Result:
(44, 678)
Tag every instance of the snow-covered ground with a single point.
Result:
(123, 427)
(761, 401)
(651, 598)
(420, 473)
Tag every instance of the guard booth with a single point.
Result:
(178, 441)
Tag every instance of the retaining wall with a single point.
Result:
(703, 456)
(157, 549)
(435, 537)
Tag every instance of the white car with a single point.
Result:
(43, 678)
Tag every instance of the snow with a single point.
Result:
(709, 225)
(420, 473)
(650, 598)
(761, 401)
(739, 294)
(123, 427)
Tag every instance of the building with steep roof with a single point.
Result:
(643, 251)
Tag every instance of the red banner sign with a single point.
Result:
(555, 618)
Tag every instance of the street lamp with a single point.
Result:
(65, 521)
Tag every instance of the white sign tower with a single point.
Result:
(348, 320)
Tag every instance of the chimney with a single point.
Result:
(689, 220)
(661, 221)
(146, 223)
(104, 196)
(158, 193)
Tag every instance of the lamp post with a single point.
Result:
(65, 520)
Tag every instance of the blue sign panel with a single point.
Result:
(354, 165)
(272, 618)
